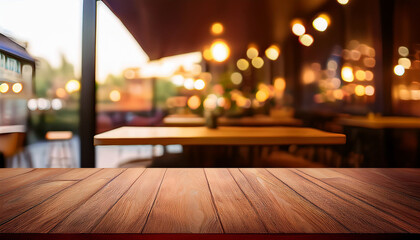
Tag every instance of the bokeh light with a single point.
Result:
(322, 22)
(220, 51)
(405, 62)
(72, 86)
(279, 84)
(242, 64)
(369, 90)
(194, 102)
(403, 51)
(399, 70)
(252, 52)
(178, 80)
(189, 83)
(272, 52)
(359, 90)
(347, 74)
(306, 40)
(217, 28)
(199, 84)
(343, 2)
(17, 87)
(115, 95)
(257, 62)
(236, 78)
(60, 92)
(360, 75)
(4, 88)
(297, 27)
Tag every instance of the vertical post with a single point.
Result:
(87, 123)
(384, 101)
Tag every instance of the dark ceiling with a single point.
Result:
(170, 27)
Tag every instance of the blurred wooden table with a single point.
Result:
(219, 136)
(380, 130)
(260, 202)
(255, 121)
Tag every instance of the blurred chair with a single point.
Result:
(12, 144)
(61, 144)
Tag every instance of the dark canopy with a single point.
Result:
(170, 27)
(9, 46)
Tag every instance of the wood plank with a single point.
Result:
(12, 205)
(43, 217)
(219, 136)
(76, 174)
(11, 172)
(86, 217)
(130, 213)
(354, 214)
(183, 205)
(372, 177)
(13, 183)
(396, 204)
(281, 209)
(236, 213)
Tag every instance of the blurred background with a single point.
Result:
(298, 63)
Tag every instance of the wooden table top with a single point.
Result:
(219, 136)
(221, 201)
(185, 120)
(381, 122)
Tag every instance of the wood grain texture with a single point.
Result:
(355, 215)
(23, 199)
(252, 200)
(85, 218)
(49, 213)
(282, 209)
(396, 204)
(11, 172)
(130, 213)
(183, 205)
(228, 198)
(219, 136)
(13, 183)
(381, 122)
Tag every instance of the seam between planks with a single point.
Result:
(316, 206)
(366, 202)
(18, 175)
(77, 207)
(154, 201)
(213, 202)
(381, 186)
(252, 205)
(100, 219)
(391, 223)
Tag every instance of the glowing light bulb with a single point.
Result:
(252, 52)
(347, 74)
(399, 70)
(297, 27)
(322, 22)
(306, 40)
(242, 64)
(220, 51)
(272, 52)
(217, 28)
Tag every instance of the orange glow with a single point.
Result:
(347, 74)
(360, 75)
(369, 75)
(60, 92)
(297, 27)
(207, 54)
(306, 40)
(322, 22)
(220, 51)
(194, 102)
(272, 52)
(217, 28)
(359, 90)
(261, 96)
(405, 62)
(280, 84)
(72, 86)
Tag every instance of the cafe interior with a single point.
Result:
(262, 118)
